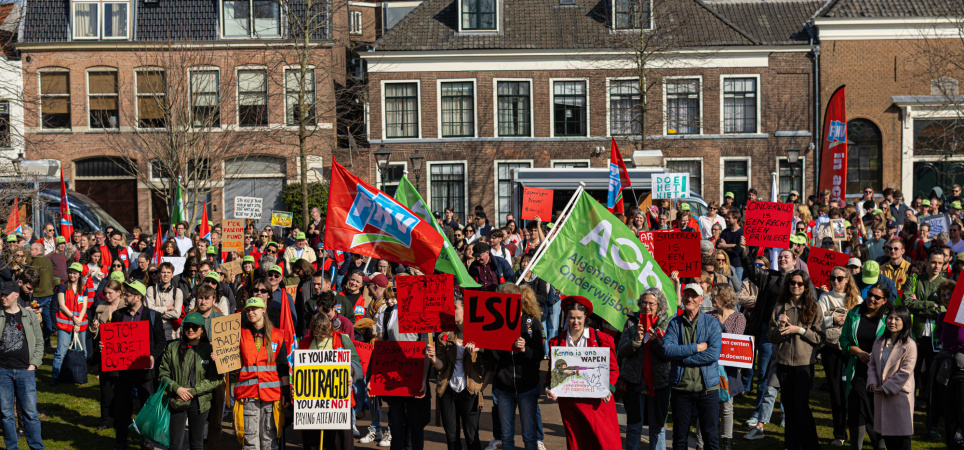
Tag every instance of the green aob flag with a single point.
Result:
(596, 256)
(448, 260)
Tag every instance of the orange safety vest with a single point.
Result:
(75, 302)
(106, 258)
(259, 376)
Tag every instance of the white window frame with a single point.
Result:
(267, 97)
(475, 106)
(495, 105)
(495, 178)
(498, 19)
(378, 173)
(251, 32)
(552, 106)
(355, 26)
(612, 13)
(137, 95)
(802, 163)
(609, 115)
(702, 169)
(759, 108)
(100, 20)
(553, 162)
(41, 95)
(418, 107)
(702, 98)
(749, 172)
(465, 182)
(88, 94)
(284, 74)
(190, 92)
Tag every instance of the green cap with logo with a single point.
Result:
(254, 302)
(870, 273)
(116, 276)
(956, 205)
(11, 238)
(247, 258)
(925, 202)
(212, 275)
(194, 318)
(798, 238)
(275, 268)
(60, 240)
(76, 267)
(684, 207)
(729, 195)
(212, 250)
(137, 286)
(300, 236)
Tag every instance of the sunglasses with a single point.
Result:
(469, 230)
(874, 297)
(274, 274)
(838, 278)
(894, 249)
(796, 284)
(192, 327)
(260, 291)
(759, 264)
(721, 260)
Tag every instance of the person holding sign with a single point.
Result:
(21, 351)
(192, 379)
(590, 422)
(71, 315)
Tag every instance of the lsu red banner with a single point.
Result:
(833, 150)
(364, 220)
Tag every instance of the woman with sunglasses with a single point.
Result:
(723, 267)
(711, 218)
(470, 235)
(796, 330)
(842, 297)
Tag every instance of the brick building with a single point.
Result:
(480, 88)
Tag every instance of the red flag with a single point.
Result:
(205, 227)
(954, 313)
(287, 327)
(66, 222)
(833, 164)
(618, 180)
(366, 221)
(13, 223)
(157, 245)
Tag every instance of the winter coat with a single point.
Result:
(177, 370)
(708, 330)
(517, 372)
(631, 354)
(893, 409)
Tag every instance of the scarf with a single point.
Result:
(649, 324)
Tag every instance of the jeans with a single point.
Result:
(763, 353)
(706, 405)
(195, 420)
(528, 403)
(550, 323)
(738, 271)
(47, 314)
(654, 409)
(21, 384)
(63, 341)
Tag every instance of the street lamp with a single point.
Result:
(793, 156)
(417, 159)
(382, 158)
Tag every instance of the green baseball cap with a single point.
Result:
(729, 195)
(254, 302)
(116, 276)
(878, 211)
(76, 267)
(684, 207)
(60, 240)
(211, 250)
(270, 243)
(194, 318)
(275, 268)
(212, 275)
(925, 202)
(137, 286)
(300, 236)
(847, 223)
(797, 239)
(11, 238)
(956, 205)
(247, 258)
(870, 273)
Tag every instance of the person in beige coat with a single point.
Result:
(890, 376)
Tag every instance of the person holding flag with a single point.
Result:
(618, 180)
(263, 380)
(66, 222)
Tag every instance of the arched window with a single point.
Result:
(864, 156)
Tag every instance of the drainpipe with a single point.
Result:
(815, 51)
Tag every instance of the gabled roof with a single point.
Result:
(778, 22)
(891, 8)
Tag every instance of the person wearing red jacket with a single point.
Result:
(113, 249)
(71, 316)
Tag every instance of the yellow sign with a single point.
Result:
(321, 389)
(281, 219)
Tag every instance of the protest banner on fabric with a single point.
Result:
(364, 351)
(536, 202)
(938, 223)
(833, 147)
(674, 250)
(397, 368)
(670, 185)
(737, 351)
(127, 345)
(226, 342)
(233, 235)
(768, 224)
(596, 256)
(176, 261)
(580, 372)
(955, 313)
(281, 219)
(820, 264)
(321, 389)
(247, 207)
(428, 306)
(492, 320)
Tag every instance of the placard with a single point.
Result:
(820, 264)
(674, 250)
(939, 224)
(364, 351)
(737, 351)
(247, 207)
(427, 303)
(492, 320)
(232, 232)
(226, 342)
(397, 368)
(231, 269)
(580, 372)
(536, 202)
(127, 345)
(839, 229)
(176, 261)
(321, 389)
(768, 224)
(670, 185)
(281, 219)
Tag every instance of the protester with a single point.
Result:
(166, 300)
(71, 316)
(103, 310)
(864, 324)
(834, 305)
(890, 376)
(21, 352)
(724, 300)
(920, 297)
(263, 379)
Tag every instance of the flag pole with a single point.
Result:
(545, 244)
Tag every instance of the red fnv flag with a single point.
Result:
(833, 150)
(13, 223)
(618, 180)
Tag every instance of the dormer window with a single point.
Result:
(478, 15)
(101, 19)
(632, 15)
(238, 16)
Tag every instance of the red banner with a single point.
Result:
(737, 351)
(833, 149)
(364, 351)
(820, 264)
(127, 345)
(768, 224)
(493, 320)
(955, 314)
(429, 303)
(536, 202)
(674, 250)
(397, 368)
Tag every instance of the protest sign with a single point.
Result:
(364, 351)
(938, 223)
(492, 320)
(281, 219)
(581, 372)
(839, 229)
(232, 235)
(768, 224)
(670, 185)
(226, 342)
(127, 345)
(427, 305)
(247, 207)
(536, 202)
(231, 269)
(737, 351)
(176, 261)
(397, 368)
(321, 389)
(674, 250)
(820, 264)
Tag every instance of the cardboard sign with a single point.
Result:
(231, 269)
(670, 185)
(674, 250)
(737, 351)
(281, 219)
(127, 345)
(397, 368)
(247, 207)
(226, 342)
(176, 261)
(839, 229)
(492, 320)
(820, 264)
(426, 303)
(232, 235)
(581, 372)
(536, 202)
(768, 224)
(939, 224)
(364, 351)
(321, 389)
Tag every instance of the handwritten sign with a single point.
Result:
(231, 269)
(536, 202)
(428, 303)
(281, 219)
(247, 207)
(176, 261)
(581, 372)
(321, 389)
(127, 345)
(737, 351)
(493, 320)
(226, 342)
(364, 351)
(939, 224)
(232, 231)
(768, 224)
(674, 250)
(397, 368)
(670, 185)
(820, 264)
